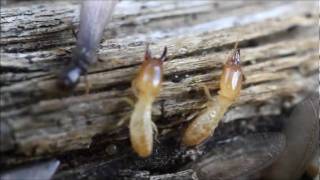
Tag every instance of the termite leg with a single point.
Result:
(194, 114)
(206, 91)
(74, 32)
(124, 120)
(129, 101)
(155, 129)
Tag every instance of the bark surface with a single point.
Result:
(279, 53)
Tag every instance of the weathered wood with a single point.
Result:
(170, 157)
(278, 51)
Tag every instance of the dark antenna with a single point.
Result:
(164, 54)
(147, 54)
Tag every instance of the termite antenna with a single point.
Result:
(147, 55)
(164, 54)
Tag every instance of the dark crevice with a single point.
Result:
(177, 77)
(255, 42)
(8, 69)
(60, 33)
(37, 47)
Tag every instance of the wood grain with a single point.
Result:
(278, 51)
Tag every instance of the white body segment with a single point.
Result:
(204, 124)
(141, 128)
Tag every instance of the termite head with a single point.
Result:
(232, 76)
(69, 78)
(149, 78)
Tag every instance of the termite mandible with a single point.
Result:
(146, 86)
(230, 85)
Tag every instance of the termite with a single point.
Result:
(94, 16)
(146, 87)
(230, 85)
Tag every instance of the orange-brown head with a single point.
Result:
(148, 81)
(232, 77)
